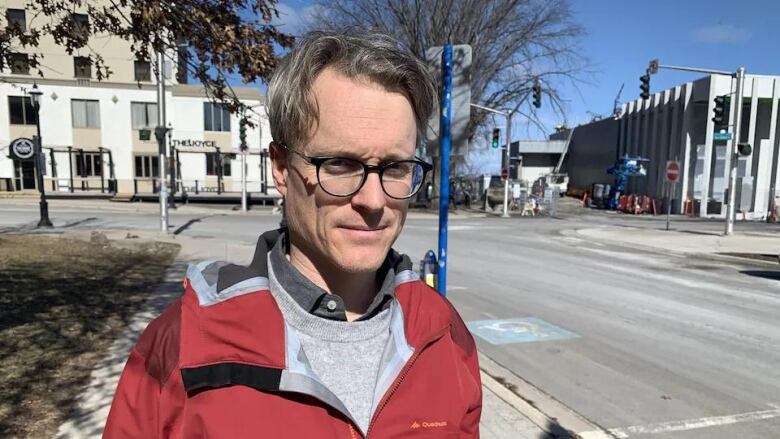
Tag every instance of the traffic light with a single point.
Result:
(496, 135)
(719, 110)
(537, 88)
(645, 86)
(744, 149)
(242, 134)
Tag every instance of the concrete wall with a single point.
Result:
(57, 64)
(592, 150)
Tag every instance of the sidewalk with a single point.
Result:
(505, 415)
(686, 242)
(198, 209)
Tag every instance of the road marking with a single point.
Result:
(578, 242)
(517, 330)
(689, 424)
(641, 258)
(475, 227)
(697, 284)
(487, 314)
(456, 288)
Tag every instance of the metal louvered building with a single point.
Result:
(676, 124)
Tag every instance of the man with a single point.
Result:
(328, 333)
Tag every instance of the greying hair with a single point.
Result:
(292, 110)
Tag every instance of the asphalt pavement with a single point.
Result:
(593, 320)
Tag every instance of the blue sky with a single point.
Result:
(622, 36)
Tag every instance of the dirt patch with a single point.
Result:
(62, 303)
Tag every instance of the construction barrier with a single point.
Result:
(688, 207)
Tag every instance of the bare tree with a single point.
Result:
(514, 42)
(218, 37)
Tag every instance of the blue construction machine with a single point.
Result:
(625, 167)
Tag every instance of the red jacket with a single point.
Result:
(221, 363)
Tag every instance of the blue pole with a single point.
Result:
(444, 164)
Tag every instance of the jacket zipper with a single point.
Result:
(401, 377)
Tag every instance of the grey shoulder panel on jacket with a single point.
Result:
(236, 280)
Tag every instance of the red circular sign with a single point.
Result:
(672, 171)
(504, 174)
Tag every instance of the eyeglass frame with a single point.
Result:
(317, 162)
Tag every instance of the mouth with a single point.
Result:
(362, 228)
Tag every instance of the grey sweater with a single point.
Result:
(345, 356)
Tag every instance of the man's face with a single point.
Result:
(360, 120)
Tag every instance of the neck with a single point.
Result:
(356, 289)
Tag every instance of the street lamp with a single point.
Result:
(40, 163)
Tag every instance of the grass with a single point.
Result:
(62, 303)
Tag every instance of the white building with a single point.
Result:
(536, 159)
(91, 130)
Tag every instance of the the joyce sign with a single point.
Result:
(191, 143)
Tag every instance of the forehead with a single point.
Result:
(361, 118)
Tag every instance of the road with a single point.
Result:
(653, 345)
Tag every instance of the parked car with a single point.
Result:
(463, 191)
(559, 181)
(495, 192)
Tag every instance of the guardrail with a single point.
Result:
(102, 184)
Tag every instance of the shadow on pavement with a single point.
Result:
(555, 431)
(187, 225)
(701, 232)
(772, 275)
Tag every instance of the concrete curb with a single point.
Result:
(547, 413)
(649, 247)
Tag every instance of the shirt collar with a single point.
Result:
(319, 302)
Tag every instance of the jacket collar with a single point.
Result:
(424, 312)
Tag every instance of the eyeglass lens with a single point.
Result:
(343, 177)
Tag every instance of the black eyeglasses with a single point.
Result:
(342, 176)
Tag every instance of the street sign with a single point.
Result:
(672, 171)
(22, 148)
(461, 98)
(504, 174)
(653, 67)
(721, 136)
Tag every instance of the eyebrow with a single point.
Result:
(392, 157)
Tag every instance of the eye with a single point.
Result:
(399, 170)
(340, 165)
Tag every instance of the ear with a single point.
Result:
(279, 167)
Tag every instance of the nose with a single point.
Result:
(370, 197)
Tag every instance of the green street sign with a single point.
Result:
(721, 136)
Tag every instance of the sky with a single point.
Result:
(622, 36)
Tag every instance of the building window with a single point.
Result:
(21, 111)
(211, 163)
(143, 71)
(80, 24)
(147, 166)
(215, 117)
(82, 67)
(86, 114)
(88, 164)
(16, 17)
(144, 114)
(20, 63)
